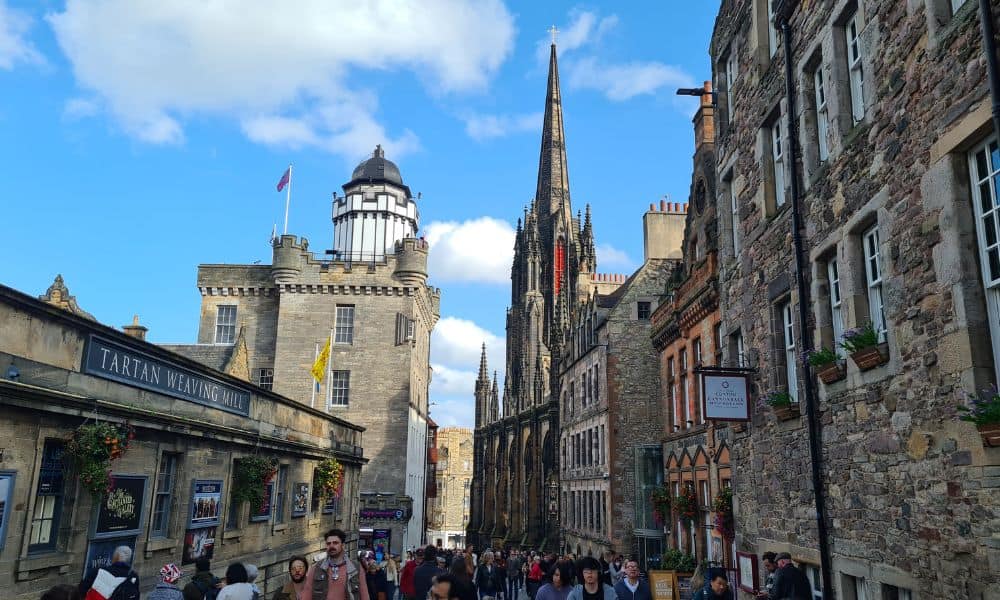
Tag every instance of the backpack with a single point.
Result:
(209, 593)
(129, 589)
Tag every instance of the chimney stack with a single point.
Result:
(135, 329)
(663, 230)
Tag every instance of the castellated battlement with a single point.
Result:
(411, 261)
(287, 258)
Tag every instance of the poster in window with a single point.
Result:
(330, 505)
(6, 494)
(198, 543)
(100, 552)
(300, 499)
(206, 503)
(263, 512)
(120, 511)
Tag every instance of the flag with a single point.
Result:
(285, 178)
(104, 585)
(319, 367)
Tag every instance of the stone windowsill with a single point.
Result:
(26, 565)
(280, 527)
(314, 521)
(232, 534)
(160, 544)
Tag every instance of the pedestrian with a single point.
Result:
(203, 585)
(375, 576)
(535, 576)
(488, 578)
(462, 587)
(770, 561)
(117, 582)
(562, 583)
(631, 587)
(335, 577)
(295, 588)
(514, 563)
(63, 591)
(406, 588)
(718, 588)
(789, 582)
(423, 576)
(617, 568)
(444, 587)
(591, 588)
(167, 588)
(252, 580)
(391, 568)
(237, 587)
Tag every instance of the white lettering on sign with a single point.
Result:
(726, 397)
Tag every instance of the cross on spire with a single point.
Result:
(554, 32)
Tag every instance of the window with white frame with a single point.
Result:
(777, 163)
(166, 478)
(265, 378)
(836, 315)
(225, 324)
(822, 114)
(734, 210)
(856, 73)
(873, 281)
(815, 581)
(772, 28)
(730, 81)
(955, 5)
(340, 388)
(344, 329)
(696, 350)
(788, 335)
(855, 588)
(736, 349)
(892, 592)
(685, 407)
(984, 168)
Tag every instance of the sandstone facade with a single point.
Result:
(448, 511)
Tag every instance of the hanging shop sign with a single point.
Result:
(206, 503)
(120, 512)
(725, 395)
(117, 362)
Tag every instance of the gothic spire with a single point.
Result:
(553, 169)
(587, 243)
(494, 400)
(484, 375)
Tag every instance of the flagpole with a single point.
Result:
(288, 198)
(315, 384)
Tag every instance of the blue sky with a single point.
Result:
(139, 139)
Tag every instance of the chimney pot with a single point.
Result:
(652, 207)
(663, 206)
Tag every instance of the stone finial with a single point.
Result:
(58, 295)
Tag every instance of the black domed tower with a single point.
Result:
(375, 212)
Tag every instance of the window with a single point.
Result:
(788, 335)
(643, 310)
(985, 170)
(165, 478)
(718, 344)
(815, 580)
(345, 324)
(597, 383)
(955, 5)
(583, 389)
(836, 316)
(730, 80)
(736, 349)
(590, 447)
(265, 378)
(772, 31)
(822, 114)
(406, 329)
(604, 457)
(854, 588)
(734, 209)
(873, 281)
(696, 350)
(891, 592)
(279, 494)
(314, 501)
(777, 163)
(48, 498)
(685, 407)
(855, 68)
(706, 500)
(340, 387)
(225, 324)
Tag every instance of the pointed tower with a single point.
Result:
(482, 391)
(494, 400)
(552, 192)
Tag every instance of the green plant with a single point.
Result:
(250, 476)
(660, 498)
(92, 447)
(686, 505)
(823, 356)
(724, 521)
(982, 409)
(778, 399)
(329, 479)
(675, 560)
(859, 338)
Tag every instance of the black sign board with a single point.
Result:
(121, 509)
(117, 362)
(100, 553)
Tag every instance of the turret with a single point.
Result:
(286, 261)
(411, 261)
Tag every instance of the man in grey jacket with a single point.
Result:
(631, 587)
(591, 588)
(514, 575)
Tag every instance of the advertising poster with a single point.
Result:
(206, 503)
(381, 542)
(263, 512)
(120, 510)
(330, 505)
(725, 397)
(6, 490)
(198, 543)
(300, 499)
(99, 553)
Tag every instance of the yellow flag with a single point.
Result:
(319, 367)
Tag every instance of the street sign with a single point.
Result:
(725, 395)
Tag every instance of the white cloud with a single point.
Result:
(584, 28)
(454, 412)
(610, 257)
(624, 81)
(452, 381)
(14, 46)
(480, 250)
(289, 77)
(458, 344)
(484, 127)
(80, 108)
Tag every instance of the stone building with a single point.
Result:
(892, 160)
(514, 494)
(372, 300)
(687, 333)
(449, 510)
(610, 432)
(171, 489)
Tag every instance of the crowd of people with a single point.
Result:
(427, 573)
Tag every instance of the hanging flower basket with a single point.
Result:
(984, 411)
(786, 413)
(250, 476)
(725, 523)
(990, 432)
(829, 367)
(660, 499)
(329, 478)
(738, 426)
(869, 358)
(91, 449)
(686, 505)
(864, 348)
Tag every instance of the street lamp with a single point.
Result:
(699, 92)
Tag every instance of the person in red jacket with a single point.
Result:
(406, 586)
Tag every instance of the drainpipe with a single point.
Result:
(812, 406)
(990, 48)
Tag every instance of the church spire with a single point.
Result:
(553, 170)
(482, 391)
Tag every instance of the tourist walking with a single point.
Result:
(591, 588)
(295, 588)
(535, 576)
(562, 583)
(770, 561)
(462, 586)
(631, 587)
(167, 588)
(336, 577)
(203, 585)
(237, 586)
(391, 568)
(718, 588)
(789, 582)
(424, 576)
(488, 581)
(514, 575)
(117, 582)
(406, 588)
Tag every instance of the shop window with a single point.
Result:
(279, 494)
(48, 498)
(166, 479)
